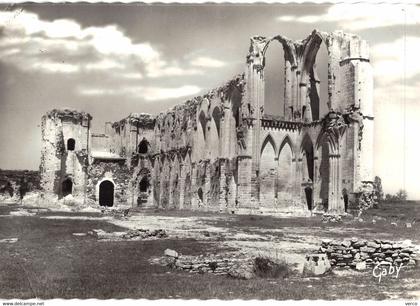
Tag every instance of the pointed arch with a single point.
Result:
(274, 63)
(323, 171)
(315, 75)
(268, 139)
(203, 123)
(285, 171)
(216, 116)
(267, 172)
(287, 140)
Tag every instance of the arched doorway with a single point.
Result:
(324, 174)
(71, 143)
(106, 194)
(143, 146)
(144, 189)
(66, 187)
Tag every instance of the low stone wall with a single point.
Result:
(235, 265)
(212, 264)
(359, 254)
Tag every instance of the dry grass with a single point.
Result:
(49, 262)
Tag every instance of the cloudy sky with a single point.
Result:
(110, 60)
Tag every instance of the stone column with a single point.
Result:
(194, 202)
(244, 183)
(181, 186)
(223, 186)
(288, 90)
(207, 184)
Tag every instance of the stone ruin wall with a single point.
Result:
(193, 146)
(223, 151)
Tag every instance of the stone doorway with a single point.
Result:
(144, 191)
(106, 194)
(308, 196)
(66, 187)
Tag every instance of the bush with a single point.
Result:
(266, 268)
(401, 195)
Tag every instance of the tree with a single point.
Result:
(379, 193)
(388, 197)
(23, 188)
(401, 195)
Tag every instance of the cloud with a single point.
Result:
(146, 93)
(30, 43)
(207, 62)
(355, 17)
(392, 61)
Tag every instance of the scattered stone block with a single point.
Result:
(8, 240)
(361, 265)
(79, 234)
(317, 264)
(171, 253)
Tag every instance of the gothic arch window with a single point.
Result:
(274, 80)
(315, 75)
(203, 120)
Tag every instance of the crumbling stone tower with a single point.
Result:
(64, 153)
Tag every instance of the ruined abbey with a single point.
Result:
(222, 151)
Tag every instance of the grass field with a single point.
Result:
(48, 261)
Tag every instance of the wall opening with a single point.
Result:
(236, 100)
(144, 184)
(106, 194)
(143, 146)
(274, 80)
(317, 79)
(200, 194)
(345, 199)
(308, 159)
(308, 196)
(66, 187)
(324, 174)
(215, 133)
(71, 143)
(202, 119)
(144, 189)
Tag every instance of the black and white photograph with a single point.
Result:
(209, 151)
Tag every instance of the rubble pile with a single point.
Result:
(135, 234)
(359, 254)
(145, 233)
(333, 218)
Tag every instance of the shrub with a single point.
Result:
(267, 268)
